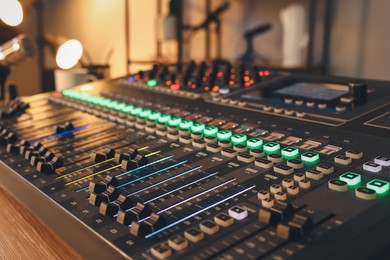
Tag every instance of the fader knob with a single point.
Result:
(150, 225)
(139, 212)
(359, 92)
(99, 185)
(102, 156)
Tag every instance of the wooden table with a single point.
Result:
(24, 236)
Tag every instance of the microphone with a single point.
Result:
(213, 16)
(258, 30)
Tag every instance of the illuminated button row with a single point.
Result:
(194, 127)
(239, 139)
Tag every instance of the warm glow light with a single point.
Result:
(69, 54)
(16, 46)
(11, 12)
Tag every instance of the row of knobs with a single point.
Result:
(219, 74)
(14, 107)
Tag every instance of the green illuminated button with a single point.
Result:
(154, 116)
(105, 102)
(310, 158)
(164, 118)
(224, 135)
(128, 109)
(186, 124)
(119, 106)
(112, 104)
(254, 143)
(145, 113)
(174, 121)
(152, 83)
(239, 139)
(271, 148)
(210, 131)
(290, 153)
(379, 186)
(198, 127)
(351, 178)
(136, 110)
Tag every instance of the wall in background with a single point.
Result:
(358, 47)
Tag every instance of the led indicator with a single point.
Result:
(224, 135)
(152, 83)
(379, 186)
(197, 127)
(164, 118)
(174, 121)
(254, 143)
(186, 124)
(210, 131)
(271, 148)
(290, 153)
(239, 139)
(351, 178)
(310, 158)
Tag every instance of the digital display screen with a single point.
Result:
(310, 90)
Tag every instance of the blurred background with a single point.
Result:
(346, 37)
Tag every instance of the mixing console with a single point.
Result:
(170, 163)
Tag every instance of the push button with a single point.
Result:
(290, 153)
(287, 183)
(257, 153)
(240, 148)
(263, 194)
(283, 169)
(244, 157)
(381, 160)
(299, 176)
(365, 193)
(372, 167)
(194, 235)
(342, 159)
(238, 213)
(314, 174)
(276, 158)
(379, 186)
(325, 168)
(351, 178)
(295, 163)
(223, 220)
(209, 227)
(161, 251)
(310, 158)
(263, 163)
(275, 188)
(199, 143)
(304, 184)
(271, 148)
(337, 185)
(228, 152)
(280, 195)
(292, 190)
(224, 144)
(254, 143)
(267, 203)
(354, 154)
(214, 148)
(178, 243)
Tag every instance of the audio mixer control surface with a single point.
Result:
(198, 164)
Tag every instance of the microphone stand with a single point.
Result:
(4, 73)
(251, 55)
